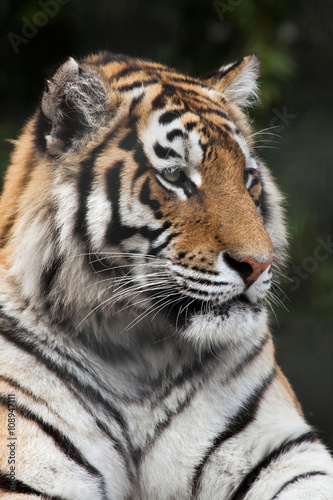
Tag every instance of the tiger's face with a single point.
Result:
(196, 207)
(155, 176)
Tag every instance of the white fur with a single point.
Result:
(243, 89)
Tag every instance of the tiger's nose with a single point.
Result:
(248, 268)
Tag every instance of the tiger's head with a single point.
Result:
(135, 196)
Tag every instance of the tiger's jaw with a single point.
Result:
(237, 323)
(214, 312)
(220, 323)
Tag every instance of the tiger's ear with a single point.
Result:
(237, 81)
(74, 103)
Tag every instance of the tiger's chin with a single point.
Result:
(216, 329)
(231, 322)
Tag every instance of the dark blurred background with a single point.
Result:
(295, 43)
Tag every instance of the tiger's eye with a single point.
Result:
(172, 175)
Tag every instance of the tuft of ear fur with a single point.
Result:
(237, 81)
(74, 103)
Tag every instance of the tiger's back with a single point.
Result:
(139, 237)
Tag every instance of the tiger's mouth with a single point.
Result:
(184, 307)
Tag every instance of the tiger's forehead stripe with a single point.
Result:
(157, 72)
(143, 75)
(186, 150)
(129, 75)
(137, 84)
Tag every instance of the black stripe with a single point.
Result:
(156, 250)
(202, 293)
(170, 116)
(202, 365)
(227, 140)
(25, 391)
(190, 126)
(129, 142)
(250, 356)
(135, 102)
(200, 281)
(17, 486)
(142, 161)
(104, 57)
(191, 81)
(222, 129)
(205, 104)
(254, 182)
(61, 441)
(165, 153)
(145, 196)
(252, 476)
(159, 101)
(169, 91)
(239, 422)
(126, 71)
(85, 179)
(163, 424)
(176, 91)
(153, 234)
(218, 74)
(49, 276)
(88, 391)
(216, 112)
(196, 97)
(306, 475)
(195, 94)
(174, 133)
(226, 127)
(141, 66)
(206, 362)
(138, 84)
(264, 203)
(117, 230)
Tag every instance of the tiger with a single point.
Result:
(140, 235)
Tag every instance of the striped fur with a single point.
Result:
(137, 231)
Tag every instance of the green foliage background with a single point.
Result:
(294, 41)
